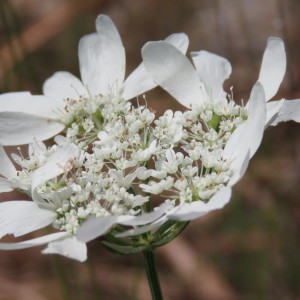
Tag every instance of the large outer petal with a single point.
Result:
(145, 218)
(255, 123)
(137, 83)
(273, 108)
(18, 128)
(197, 209)
(171, 70)
(33, 242)
(69, 247)
(24, 102)
(94, 227)
(102, 57)
(178, 40)
(247, 137)
(213, 70)
(143, 229)
(5, 186)
(140, 81)
(273, 67)
(7, 168)
(21, 217)
(288, 111)
(24, 117)
(63, 85)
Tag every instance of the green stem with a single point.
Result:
(152, 275)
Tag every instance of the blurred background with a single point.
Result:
(250, 249)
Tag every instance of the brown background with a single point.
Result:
(250, 249)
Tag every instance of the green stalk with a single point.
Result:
(152, 275)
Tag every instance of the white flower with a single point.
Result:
(174, 72)
(201, 88)
(171, 162)
(144, 154)
(24, 117)
(113, 159)
(21, 180)
(122, 180)
(168, 128)
(158, 187)
(143, 173)
(22, 217)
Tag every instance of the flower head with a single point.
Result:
(79, 106)
(117, 170)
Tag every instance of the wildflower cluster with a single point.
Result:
(116, 169)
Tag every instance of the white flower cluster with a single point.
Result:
(131, 156)
(114, 163)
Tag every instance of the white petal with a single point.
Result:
(97, 226)
(143, 229)
(273, 108)
(248, 136)
(94, 227)
(69, 247)
(273, 67)
(58, 163)
(102, 58)
(24, 117)
(193, 210)
(38, 148)
(256, 119)
(245, 140)
(144, 218)
(171, 70)
(140, 81)
(63, 85)
(18, 128)
(179, 40)
(213, 70)
(289, 111)
(21, 217)
(237, 154)
(7, 168)
(24, 102)
(238, 167)
(5, 186)
(33, 242)
(137, 83)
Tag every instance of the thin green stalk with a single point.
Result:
(152, 275)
